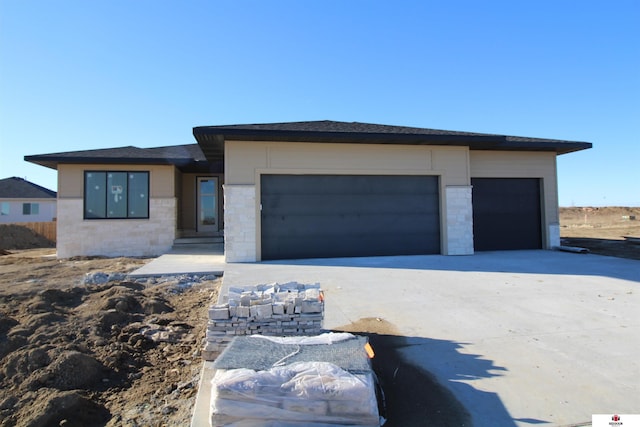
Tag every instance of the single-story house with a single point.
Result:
(313, 189)
(24, 201)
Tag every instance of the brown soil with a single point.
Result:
(120, 353)
(15, 236)
(601, 230)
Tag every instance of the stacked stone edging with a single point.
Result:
(286, 309)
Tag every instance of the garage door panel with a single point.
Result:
(506, 213)
(349, 184)
(333, 245)
(308, 225)
(325, 204)
(307, 216)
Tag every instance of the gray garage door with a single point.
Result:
(506, 214)
(324, 216)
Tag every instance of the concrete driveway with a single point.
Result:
(520, 338)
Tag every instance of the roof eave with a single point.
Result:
(576, 146)
(558, 147)
(53, 162)
(211, 140)
(42, 162)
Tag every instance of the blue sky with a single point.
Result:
(78, 75)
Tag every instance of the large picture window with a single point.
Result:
(116, 194)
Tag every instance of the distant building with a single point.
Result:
(24, 201)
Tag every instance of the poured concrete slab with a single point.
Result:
(186, 259)
(520, 338)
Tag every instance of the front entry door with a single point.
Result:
(207, 204)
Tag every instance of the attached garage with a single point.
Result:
(340, 189)
(321, 216)
(506, 214)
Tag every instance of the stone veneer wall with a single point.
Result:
(459, 220)
(554, 236)
(240, 223)
(115, 237)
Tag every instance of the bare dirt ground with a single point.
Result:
(601, 230)
(78, 350)
(82, 348)
(15, 236)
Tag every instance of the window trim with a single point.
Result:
(125, 198)
(31, 209)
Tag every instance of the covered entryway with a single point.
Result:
(321, 216)
(506, 214)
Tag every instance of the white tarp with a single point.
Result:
(303, 393)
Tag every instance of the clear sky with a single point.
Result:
(78, 75)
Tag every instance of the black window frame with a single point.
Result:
(125, 196)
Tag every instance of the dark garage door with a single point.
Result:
(506, 214)
(324, 216)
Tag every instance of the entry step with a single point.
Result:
(198, 240)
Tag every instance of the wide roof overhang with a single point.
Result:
(187, 158)
(208, 154)
(211, 139)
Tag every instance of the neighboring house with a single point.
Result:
(313, 189)
(24, 201)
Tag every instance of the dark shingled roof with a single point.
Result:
(208, 154)
(211, 138)
(18, 188)
(189, 155)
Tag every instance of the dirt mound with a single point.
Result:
(114, 353)
(69, 408)
(15, 236)
(71, 370)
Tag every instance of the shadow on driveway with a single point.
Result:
(413, 397)
(526, 261)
